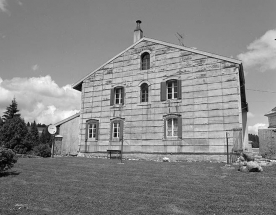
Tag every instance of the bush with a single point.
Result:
(7, 159)
(13, 133)
(42, 150)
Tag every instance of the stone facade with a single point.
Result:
(211, 101)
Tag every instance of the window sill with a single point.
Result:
(171, 139)
(90, 140)
(118, 106)
(143, 104)
(173, 101)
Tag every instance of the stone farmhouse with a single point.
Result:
(160, 98)
(267, 136)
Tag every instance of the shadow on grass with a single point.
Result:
(8, 173)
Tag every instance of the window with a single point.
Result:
(117, 96)
(171, 89)
(145, 61)
(116, 129)
(144, 92)
(172, 127)
(92, 129)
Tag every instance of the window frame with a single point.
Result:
(174, 118)
(87, 130)
(113, 95)
(145, 60)
(144, 96)
(176, 90)
(119, 136)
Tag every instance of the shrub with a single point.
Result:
(7, 159)
(42, 150)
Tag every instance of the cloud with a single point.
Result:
(35, 67)
(261, 53)
(39, 98)
(3, 6)
(250, 115)
(254, 129)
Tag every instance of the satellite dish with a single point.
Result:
(52, 129)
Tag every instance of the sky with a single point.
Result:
(46, 46)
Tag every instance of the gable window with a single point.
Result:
(145, 61)
(173, 127)
(117, 96)
(116, 129)
(144, 92)
(92, 129)
(171, 89)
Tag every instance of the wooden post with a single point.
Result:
(227, 148)
(53, 145)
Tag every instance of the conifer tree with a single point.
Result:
(1, 122)
(34, 134)
(46, 137)
(11, 111)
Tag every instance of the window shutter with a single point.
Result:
(121, 129)
(111, 130)
(123, 95)
(86, 131)
(97, 130)
(165, 128)
(179, 121)
(179, 89)
(163, 91)
(112, 96)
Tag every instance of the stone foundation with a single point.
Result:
(159, 157)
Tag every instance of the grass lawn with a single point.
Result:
(101, 186)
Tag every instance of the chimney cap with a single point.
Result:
(138, 25)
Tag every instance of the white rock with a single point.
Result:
(165, 159)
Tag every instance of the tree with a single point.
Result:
(28, 124)
(12, 133)
(1, 122)
(34, 134)
(11, 111)
(46, 137)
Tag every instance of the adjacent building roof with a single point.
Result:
(272, 112)
(67, 119)
(77, 85)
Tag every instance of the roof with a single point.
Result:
(77, 85)
(67, 119)
(272, 112)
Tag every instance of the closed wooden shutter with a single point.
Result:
(179, 89)
(112, 97)
(121, 129)
(97, 130)
(163, 91)
(111, 131)
(123, 95)
(179, 121)
(165, 128)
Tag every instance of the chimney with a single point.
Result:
(138, 33)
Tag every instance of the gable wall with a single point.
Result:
(210, 102)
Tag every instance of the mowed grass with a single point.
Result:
(102, 186)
